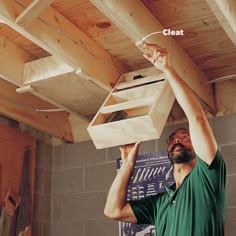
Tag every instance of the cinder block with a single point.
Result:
(42, 208)
(83, 153)
(46, 229)
(113, 153)
(78, 206)
(36, 228)
(74, 228)
(101, 227)
(230, 222)
(99, 177)
(231, 190)
(68, 181)
(48, 182)
(224, 129)
(148, 147)
(39, 180)
(43, 156)
(57, 157)
(229, 154)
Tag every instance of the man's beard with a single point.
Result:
(183, 155)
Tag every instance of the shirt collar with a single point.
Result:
(170, 190)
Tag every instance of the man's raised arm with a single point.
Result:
(116, 206)
(202, 137)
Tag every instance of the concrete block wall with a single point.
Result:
(225, 132)
(82, 176)
(42, 190)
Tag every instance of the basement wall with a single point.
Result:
(42, 190)
(82, 175)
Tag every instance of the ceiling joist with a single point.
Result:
(12, 56)
(32, 12)
(137, 22)
(225, 12)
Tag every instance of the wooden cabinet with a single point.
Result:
(142, 100)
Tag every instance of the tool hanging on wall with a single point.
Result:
(23, 217)
(12, 201)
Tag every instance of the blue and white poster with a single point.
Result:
(152, 172)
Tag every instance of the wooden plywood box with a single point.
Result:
(143, 104)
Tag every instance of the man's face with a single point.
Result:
(180, 149)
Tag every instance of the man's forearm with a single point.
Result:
(116, 199)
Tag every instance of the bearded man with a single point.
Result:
(195, 204)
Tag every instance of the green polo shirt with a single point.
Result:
(196, 208)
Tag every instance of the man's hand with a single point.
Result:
(158, 56)
(129, 153)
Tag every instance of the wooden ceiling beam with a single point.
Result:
(134, 19)
(32, 12)
(12, 59)
(54, 33)
(225, 12)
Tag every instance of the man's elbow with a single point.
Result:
(112, 214)
(107, 213)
